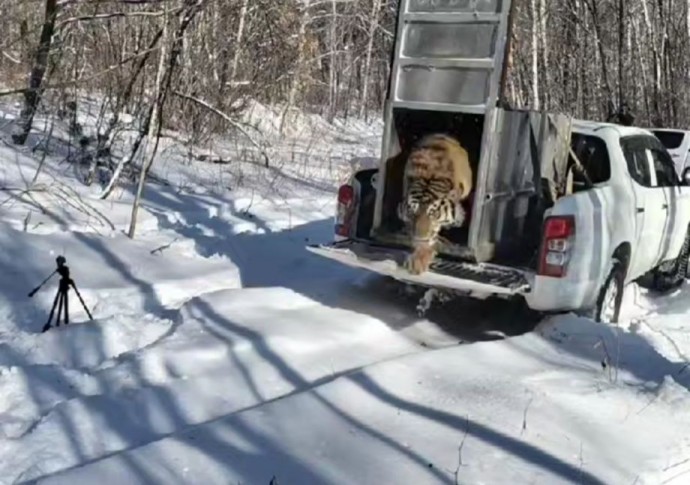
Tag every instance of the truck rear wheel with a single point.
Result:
(610, 297)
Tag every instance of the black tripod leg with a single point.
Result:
(60, 303)
(52, 311)
(80, 299)
(66, 298)
(33, 292)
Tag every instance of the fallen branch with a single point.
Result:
(75, 200)
(160, 249)
(607, 363)
(26, 220)
(11, 189)
(227, 118)
(524, 416)
(22, 193)
(32, 201)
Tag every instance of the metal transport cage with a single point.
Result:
(447, 74)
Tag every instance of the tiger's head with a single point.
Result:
(425, 220)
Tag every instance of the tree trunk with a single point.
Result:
(535, 55)
(153, 126)
(684, 66)
(376, 6)
(163, 87)
(32, 96)
(332, 87)
(643, 69)
(240, 36)
(621, 39)
(297, 76)
(545, 68)
(651, 39)
(687, 22)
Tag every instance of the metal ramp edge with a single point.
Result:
(455, 275)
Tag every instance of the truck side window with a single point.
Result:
(664, 168)
(638, 165)
(670, 139)
(594, 156)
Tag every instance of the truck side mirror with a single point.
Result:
(686, 176)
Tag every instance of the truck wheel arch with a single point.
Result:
(616, 271)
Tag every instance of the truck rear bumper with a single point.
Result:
(472, 278)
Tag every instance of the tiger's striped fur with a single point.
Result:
(437, 178)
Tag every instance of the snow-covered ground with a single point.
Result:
(222, 351)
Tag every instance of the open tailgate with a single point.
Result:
(454, 275)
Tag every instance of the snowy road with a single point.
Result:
(262, 383)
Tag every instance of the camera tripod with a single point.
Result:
(61, 298)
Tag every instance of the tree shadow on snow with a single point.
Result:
(280, 259)
(226, 330)
(289, 468)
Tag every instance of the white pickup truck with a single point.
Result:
(631, 223)
(563, 214)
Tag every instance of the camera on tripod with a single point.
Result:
(61, 300)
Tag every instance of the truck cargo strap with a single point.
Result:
(444, 273)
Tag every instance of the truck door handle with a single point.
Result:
(640, 210)
(665, 207)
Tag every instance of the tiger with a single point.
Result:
(438, 177)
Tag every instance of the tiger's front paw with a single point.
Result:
(420, 260)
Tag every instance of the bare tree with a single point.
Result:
(32, 96)
(166, 71)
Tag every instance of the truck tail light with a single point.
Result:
(558, 236)
(344, 211)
